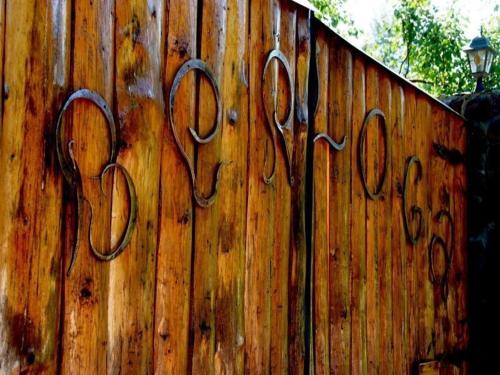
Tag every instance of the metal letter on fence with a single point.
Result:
(377, 194)
(442, 280)
(416, 211)
(72, 175)
(196, 64)
(287, 125)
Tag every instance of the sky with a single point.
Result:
(365, 12)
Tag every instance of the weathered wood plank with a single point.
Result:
(373, 221)
(459, 133)
(358, 229)
(174, 258)
(385, 233)
(85, 326)
(437, 167)
(140, 106)
(411, 271)
(322, 208)
(340, 125)
(398, 243)
(261, 197)
(295, 24)
(2, 52)
(448, 202)
(458, 271)
(281, 318)
(425, 299)
(35, 73)
(229, 326)
(207, 242)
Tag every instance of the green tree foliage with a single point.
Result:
(422, 44)
(332, 12)
(426, 47)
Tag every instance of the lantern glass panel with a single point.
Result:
(477, 61)
(489, 61)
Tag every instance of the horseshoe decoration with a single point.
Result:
(71, 173)
(377, 194)
(416, 212)
(441, 281)
(196, 64)
(274, 120)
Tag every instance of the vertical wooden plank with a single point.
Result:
(229, 333)
(437, 167)
(358, 229)
(340, 215)
(35, 68)
(84, 337)
(419, 251)
(261, 198)
(322, 208)
(409, 146)
(174, 263)
(212, 37)
(373, 161)
(398, 243)
(2, 54)
(448, 202)
(385, 233)
(140, 108)
(425, 299)
(459, 133)
(294, 24)
(281, 319)
(457, 276)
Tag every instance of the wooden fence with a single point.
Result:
(256, 240)
(389, 268)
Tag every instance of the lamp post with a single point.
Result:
(480, 54)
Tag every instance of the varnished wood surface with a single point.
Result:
(220, 289)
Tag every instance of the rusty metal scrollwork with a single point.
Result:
(416, 212)
(378, 193)
(72, 175)
(197, 64)
(287, 125)
(441, 281)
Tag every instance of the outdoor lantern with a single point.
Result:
(480, 54)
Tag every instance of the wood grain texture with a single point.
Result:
(437, 166)
(359, 363)
(459, 140)
(207, 239)
(340, 125)
(221, 289)
(85, 327)
(398, 239)
(174, 257)
(299, 52)
(321, 183)
(374, 160)
(229, 327)
(261, 197)
(411, 253)
(35, 77)
(140, 105)
(280, 266)
(385, 320)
